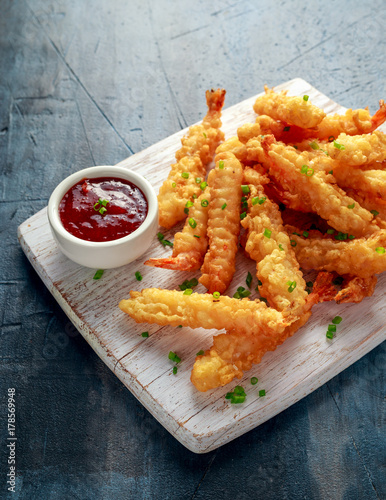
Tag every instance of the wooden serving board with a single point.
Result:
(200, 421)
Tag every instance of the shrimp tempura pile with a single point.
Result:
(308, 191)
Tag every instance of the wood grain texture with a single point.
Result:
(202, 422)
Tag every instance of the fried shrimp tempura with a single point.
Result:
(359, 149)
(191, 243)
(356, 257)
(233, 145)
(373, 182)
(318, 191)
(269, 245)
(192, 159)
(292, 110)
(169, 307)
(233, 353)
(224, 182)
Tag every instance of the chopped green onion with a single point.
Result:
(374, 212)
(351, 237)
(175, 369)
(243, 198)
(281, 247)
(174, 357)
(237, 396)
(203, 185)
(224, 206)
(179, 326)
(254, 380)
(380, 250)
(310, 172)
(102, 210)
(245, 189)
(138, 276)
(309, 284)
(221, 164)
(306, 234)
(330, 231)
(314, 145)
(297, 234)
(194, 196)
(305, 98)
(262, 393)
(192, 223)
(161, 239)
(200, 353)
(174, 184)
(341, 236)
(248, 281)
(295, 147)
(188, 291)
(255, 200)
(331, 138)
(292, 286)
(98, 275)
(338, 281)
(193, 282)
(267, 233)
(187, 206)
(198, 180)
(204, 203)
(216, 295)
(329, 335)
(286, 129)
(331, 328)
(338, 146)
(204, 134)
(237, 295)
(188, 284)
(330, 172)
(259, 283)
(185, 175)
(351, 206)
(244, 204)
(337, 320)
(145, 334)
(196, 236)
(293, 243)
(243, 215)
(304, 169)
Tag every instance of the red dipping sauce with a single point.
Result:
(85, 214)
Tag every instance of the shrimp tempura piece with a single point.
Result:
(373, 182)
(358, 257)
(171, 307)
(326, 199)
(191, 243)
(224, 182)
(292, 110)
(233, 353)
(359, 149)
(269, 245)
(197, 150)
(353, 122)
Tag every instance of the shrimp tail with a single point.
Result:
(380, 116)
(181, 262)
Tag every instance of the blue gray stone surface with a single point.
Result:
(90, 83)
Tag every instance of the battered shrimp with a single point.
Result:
(359, 149)
(224, 182)
(318, 191)
(269, 245)
(292, 110)
(191, 243)
(358, 257)
(233, 145)
(375, 205)
(196, 152)
(373, 182)
(266, 125)
(171, 307)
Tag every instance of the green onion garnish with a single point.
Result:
(286, 129)
(185, 175)
(305, 98)
(314, 145)
(216, 295)
(224, 206)
(330, 172)
(161, 239)
(293, 243)
(145, 334)
(267, 233)
(98, 275)
(309, 284)
(245, 189)
(262, 393)
(100, 206)
(192, 223)
(237, 396)
(374, 212)
(331, 328)
(174, 184)
(102, 210)
(310, 172)
(138, 276)
(187, 206)
(204, 203)
(331, 138)
(200, 353)
(330, 231)
(174, 357)
(194, 196)
(281, 247)
(243, 215)
(292, 286)
(203, 185)
(351, 237)
(196, 236)
(248, 281)
(188, 284)
(175, 369)
(338, 146)
(330, 335)
(351, 206)
(380, 250)
(306, 234)
(188, 291)
(204, 134)
(221, 164)
(341, 236)
(254, 380)
(198, 180)
(337, 320)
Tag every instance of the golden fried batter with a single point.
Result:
(359, 149)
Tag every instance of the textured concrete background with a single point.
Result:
(91, 82)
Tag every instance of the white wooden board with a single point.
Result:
(201, 422)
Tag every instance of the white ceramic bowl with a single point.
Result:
(105, 254)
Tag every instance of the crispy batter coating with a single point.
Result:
(196, 152)
(356, 257)
(170, 307)
(191, 243)
(233, 145)
(233, 352)
(355, 289)
(373, 182)
(223, 223)
(369, 202)
(359, 149)
(269, 245)
(266, 125)
(318, 191)
(292, 110)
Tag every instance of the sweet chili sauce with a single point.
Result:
(103, 209)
